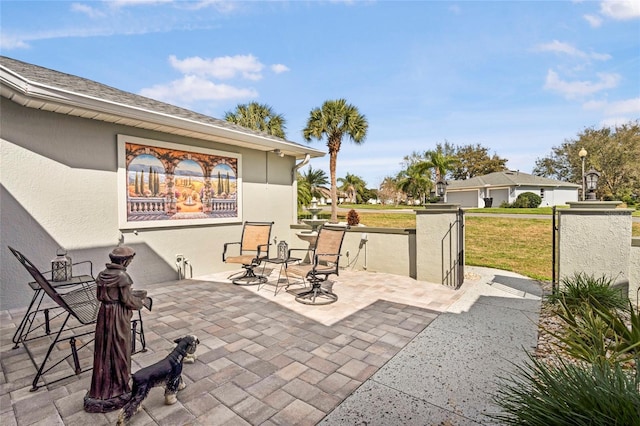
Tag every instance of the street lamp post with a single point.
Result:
(583, 154)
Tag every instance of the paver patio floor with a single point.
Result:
(263, 358)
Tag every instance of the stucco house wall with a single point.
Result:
(506, 187)
(59, 189)
(634, 271)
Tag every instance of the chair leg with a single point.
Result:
(317, 295)
(249, 277)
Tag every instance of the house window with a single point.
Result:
(541, 192)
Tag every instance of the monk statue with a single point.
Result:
(110, 388)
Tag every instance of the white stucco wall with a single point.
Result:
(59, 189)
(595, 242)
(634, 272)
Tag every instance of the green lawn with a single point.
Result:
(518, 245)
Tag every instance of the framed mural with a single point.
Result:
(166, 184)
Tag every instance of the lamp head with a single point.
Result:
(582, 153)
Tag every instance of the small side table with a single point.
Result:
(283, 268)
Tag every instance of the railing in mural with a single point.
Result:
(147, 205)
(156, 205)
(223, 205)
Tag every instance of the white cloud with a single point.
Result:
(612, 122)
(576, 89)
(10, 42)
(91, 12)
(567, 49)
(627, 106)
(124, 3)
(593, 20)
(620, 9)
(279, 68)
(224, 68)
(192, 88)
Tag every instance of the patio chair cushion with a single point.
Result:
(245, 259)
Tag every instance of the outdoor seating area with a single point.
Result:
(69, 314)
(269, 359)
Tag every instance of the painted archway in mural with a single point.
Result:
(167, 184)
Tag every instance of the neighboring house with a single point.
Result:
(86, 166)
(499, 187)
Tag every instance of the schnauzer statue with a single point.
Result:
(167, 372)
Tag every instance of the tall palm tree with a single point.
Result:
(335, 119)
(353, 185)
(259, 117)
(315, 179)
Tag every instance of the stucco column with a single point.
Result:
(434, 229)
(595, 238)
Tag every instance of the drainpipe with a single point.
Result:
(307, 157)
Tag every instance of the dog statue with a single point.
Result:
(167, 372)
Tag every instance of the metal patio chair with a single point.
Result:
(253, 248)
(77, 306)
(323, 261)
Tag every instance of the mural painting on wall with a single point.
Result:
(165, 184)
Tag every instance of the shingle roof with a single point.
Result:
(48, 78)
(505, 179)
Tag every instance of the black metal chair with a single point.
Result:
(253, 248)
(323, 261)
(76, 300)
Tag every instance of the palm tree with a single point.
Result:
(304, 192)
(335, 119)
(315, 179)
(438, 161)
(353, 185)
(414, 182)
(259, 117)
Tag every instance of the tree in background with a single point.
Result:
(388, 191)
(304, 192)
(259, 117)
(614, 152)
(314, 179)
(415, 181)
(474, 160)
(354, 186)
(439, 161)
(334, 120)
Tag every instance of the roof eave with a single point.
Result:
(40, 96)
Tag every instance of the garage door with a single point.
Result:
(464, 198)
(499, 196)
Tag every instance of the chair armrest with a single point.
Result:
(259, 249)
(316, 256)
(83, 262)
(224, 252)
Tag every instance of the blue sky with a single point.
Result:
(517, 77)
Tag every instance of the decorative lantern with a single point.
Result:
(591, 179)
(61, 266)
(441, 189)
(283, 250)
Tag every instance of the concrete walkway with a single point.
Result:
(391, 351)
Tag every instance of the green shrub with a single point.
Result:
(579, 288)
(599, 334)
(527, 200)
(544, 395)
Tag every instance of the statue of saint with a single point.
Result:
(112, 352)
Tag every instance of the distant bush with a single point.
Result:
(353, 218)
(527, 200)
